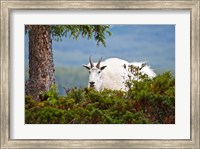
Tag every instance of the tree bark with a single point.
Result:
(41, 66)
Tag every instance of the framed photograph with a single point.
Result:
(100, 74)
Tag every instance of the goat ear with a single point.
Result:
(103, 67)
(86, 67)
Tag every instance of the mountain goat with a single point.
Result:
(111, 73)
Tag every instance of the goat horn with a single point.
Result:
(98, 64)
(91, 63)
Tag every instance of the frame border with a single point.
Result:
(7, 6)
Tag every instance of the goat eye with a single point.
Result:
(99, 71)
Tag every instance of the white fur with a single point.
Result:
(114, 75)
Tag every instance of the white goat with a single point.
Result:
(111, 73)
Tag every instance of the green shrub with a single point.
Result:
(147, 101)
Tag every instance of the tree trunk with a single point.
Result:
(41, 67)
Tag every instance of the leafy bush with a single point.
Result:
(148, 101)
(51, 95)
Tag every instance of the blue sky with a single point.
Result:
(154, 44)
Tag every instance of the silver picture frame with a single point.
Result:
(194, 8)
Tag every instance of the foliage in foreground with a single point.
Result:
(149, 101)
